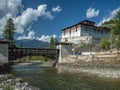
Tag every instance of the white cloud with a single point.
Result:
(46, 38)
(29, 28)
(54, 36)
(109, 16)
(30, 15)
(2, 24)
(11, 8)
(8, 8)
(104, 20)
(91, 12)
(31, 35)
(113, 13)
(57, 9)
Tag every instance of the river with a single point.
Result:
(59, 79)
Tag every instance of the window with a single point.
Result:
(66, 39)
(76, 29)
(70, 32)
(64, 33)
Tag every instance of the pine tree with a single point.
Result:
(9, 30)
(53, 41)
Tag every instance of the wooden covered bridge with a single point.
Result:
(15, 53)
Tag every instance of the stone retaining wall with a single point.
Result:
(97, 58)
(74, 58)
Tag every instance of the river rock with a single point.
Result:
(19, 80)
(14, 84)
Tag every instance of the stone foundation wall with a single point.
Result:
(95, 59)
(107, 58)
(74, 58)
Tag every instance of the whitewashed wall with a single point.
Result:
(75, 32)
(81, 33)
(3, 53)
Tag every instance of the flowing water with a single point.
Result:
(57, 79)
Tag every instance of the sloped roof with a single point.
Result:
(84, 22)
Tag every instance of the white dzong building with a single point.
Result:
(75, 38)
(83, 32)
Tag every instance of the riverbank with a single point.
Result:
(103, 64)
(9, 82)
(108, 72)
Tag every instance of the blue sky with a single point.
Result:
(41, 19)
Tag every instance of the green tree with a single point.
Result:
(111, 21)
(53, 42)
(117, 44)
(115, 32)
(116, 29)
(105, 44)
(9, 30)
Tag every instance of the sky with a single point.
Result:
(43, 19)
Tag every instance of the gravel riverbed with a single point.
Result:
(8, 82)
(90, 69)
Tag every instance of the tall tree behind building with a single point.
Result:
(114, 35)
(53, 42)
(116, 29)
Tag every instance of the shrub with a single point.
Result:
(42, 58)
(117, 44)
(28, 57)
(32, 58)
(105, 44)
